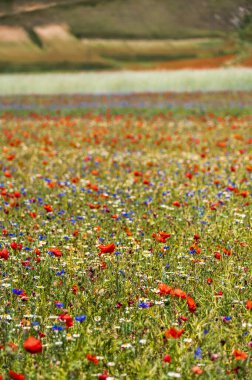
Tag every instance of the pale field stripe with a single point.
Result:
(123, 82)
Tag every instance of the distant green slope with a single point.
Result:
(133, 18)
(123, 34)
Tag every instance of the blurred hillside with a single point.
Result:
(131, 34)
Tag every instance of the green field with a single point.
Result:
(116, 34)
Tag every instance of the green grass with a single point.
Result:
(140, 164)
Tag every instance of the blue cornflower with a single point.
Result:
(80, 318)
(198, 353)
(57, 328)
(17, 291)
(144, 305)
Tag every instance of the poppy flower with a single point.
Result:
(92, 358)
(249, 305)
(16, 246)
(167, 359)
(161, 236)
(67, 319)
(227, 252)
(146, 182)
(164, 234)
(115, 216)
(189, 175)
(92, 186)
(197, 370)
(16, 376)
(173, 333)
(191, 304)
(55, 251)
(106, 248)
(138, 174)
(94, 206)
(75, 289)
(244, 193)
(178, 293)
(4, 254)
(164, 289)
(48, 208)
(176, 203)
(217, 255)
(103, 376)
(239, 355)
(7, 174)
(33, 345)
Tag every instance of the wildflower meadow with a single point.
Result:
(125, 240)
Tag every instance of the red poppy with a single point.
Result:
(7, 174)
(167, 359)
(191, 304)
(217, 255)
(249, 305)
(164, 234)
(92, 358)
(227, 252)
(146, 182)
(75, 289)
(16, 246)
(164, 289)
(197, 370)
(33, 345)
(138, 174)
(189, 175)
(239, 355)
(244, 193)
(173, 333)
(106, 248)
(16, 376)
(48, 208)
(92, 186)
(94, 206)
(4, 254)
(178, 293)
(176, 203)
(103, 376)
(161, 236)
(66, 318)
(56, 251)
